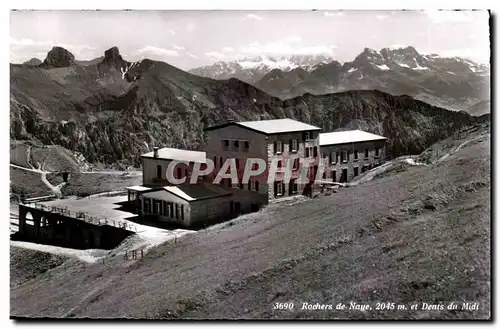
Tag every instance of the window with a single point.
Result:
(356, 155)
(182, 212)
(250, 184)
(246, 145)
(179, 173)
(334, 175)
(307, 135)
(294, 145)
(225, 144)
(315, 152)
(256, 186)
(215, 162)
(356, 171)
(377, 152)
(333, 157)
(176, 211)
(293, 186)
(310, 151)
(236, 145)
(158, 171)
(344, 156)
(296, 164)
(278, 147)
(279, 188)
(280, 164)
(221, 162)
(366, 153)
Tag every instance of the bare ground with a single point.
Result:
(422, 235)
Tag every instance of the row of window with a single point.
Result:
(344, 156)
(178, 172)
(244, 145)
(235, 145)
(163, 208)
(343, 173)
(280, 188)
(293, 147)
(252, 185)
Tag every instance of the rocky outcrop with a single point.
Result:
(59, 57)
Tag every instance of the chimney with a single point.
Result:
(155, 150)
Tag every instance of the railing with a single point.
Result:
(84, 216)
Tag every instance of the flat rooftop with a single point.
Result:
(98, 206)
(268, 127)
(347, 136)
(168, 153)
(138, 188)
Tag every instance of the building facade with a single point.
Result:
(348, 154)
(156, 163)
(331, 157)
(278, 142)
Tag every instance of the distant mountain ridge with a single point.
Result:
(114, 110)
(454, 83)
(252, 70)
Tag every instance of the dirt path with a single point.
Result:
(43, 176)
(28, 157)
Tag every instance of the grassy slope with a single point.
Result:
(27, 183)
(27, 264)
(83, 184)
(373, 242)
(54, 158)
(19, 154)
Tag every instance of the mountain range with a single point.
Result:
(112, 110)
(454, 83)
(251, 70)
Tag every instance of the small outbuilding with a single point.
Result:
(189, 204)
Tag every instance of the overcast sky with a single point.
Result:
(189, 39)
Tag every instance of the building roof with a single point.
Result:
(192, 192)
(178, 154)
(138, 188)
(348, 136)
(269, 127)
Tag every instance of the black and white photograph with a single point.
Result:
(224, 164)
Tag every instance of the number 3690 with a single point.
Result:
(283, 306)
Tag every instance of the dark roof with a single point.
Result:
(193, 192)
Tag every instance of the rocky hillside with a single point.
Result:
(33, 62)
(114, 110)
